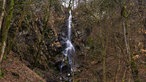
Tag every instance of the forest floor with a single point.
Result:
(16, 71)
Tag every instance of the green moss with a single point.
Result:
(5, 57)
(8, 22)
(90, 42)
(5, 29)
(124, 12)
(1, 73)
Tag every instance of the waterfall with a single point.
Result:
(69, 50)
(69, 24)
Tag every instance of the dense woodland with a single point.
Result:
(109, 37)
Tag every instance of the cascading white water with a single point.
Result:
(69, 24)
(69, 50)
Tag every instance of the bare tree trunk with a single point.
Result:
(117, 71)
(2, 14)
(104, 46)
(124, 75)
(2, 51)
(6, 29)
(104, 65)
(133, 67)
(126, 42)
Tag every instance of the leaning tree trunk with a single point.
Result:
(5, 29)
(133, 66)
(2, 14)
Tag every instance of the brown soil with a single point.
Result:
(16, 71)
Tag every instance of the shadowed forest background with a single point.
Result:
(109, 37)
